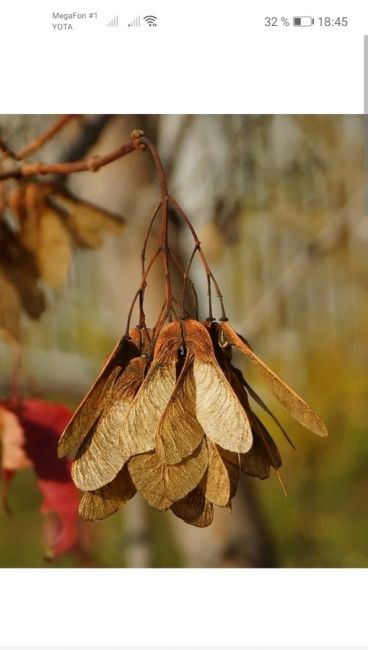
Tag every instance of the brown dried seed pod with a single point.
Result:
(99, 458)
(217, 478)
(179, 431)
(162, 484)
(232, 462)
(194, 509)
(138, 430)
(85, 221)
(294, 404)
(53, 248)
(107, 500)
(259, 401)
(141, 338)
(168, 343)
(218, 409)
(10, 307)
(198, 341)
(19, 267)
(94, 401)
(53, 221)
(263, 455)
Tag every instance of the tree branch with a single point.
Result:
(92, 164)
(47, 135)
(324, 243)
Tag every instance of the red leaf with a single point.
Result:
(62, 499)
(34, 443)
(43, 424)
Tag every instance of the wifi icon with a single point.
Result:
(151, 21)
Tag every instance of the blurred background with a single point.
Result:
(278, 204)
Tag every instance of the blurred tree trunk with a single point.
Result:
(240, 538)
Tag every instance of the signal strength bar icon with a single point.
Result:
(136, 22)
(114, 22)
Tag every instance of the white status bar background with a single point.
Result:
(202, 57)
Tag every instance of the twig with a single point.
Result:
(5, 151)
(47, 135)
(322, 244)
(191, 283)
(137, 294)
(140, 142)
(186, 278)
(210, 276)
(92, 164)
(165, 219)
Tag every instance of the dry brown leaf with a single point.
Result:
(27, 205)
(294, 404)
(141, 338)
(86, 222)
(54, 249)
(179, 431)
(261, 403)
(99, 458)
(219, 412)
(44, 234)
(218, 409)
(52, 221)
(92, 404)
(13, 455)
(138, 433)
(19, 267)
(168, 343)
(198, 341)
(162, 484)
(107, 500)
(232, 463)
(217, 481)
(194, 509)
(222, 475)
(10, 307)
(263, 455)
(15, 200)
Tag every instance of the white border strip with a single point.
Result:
(218, 608)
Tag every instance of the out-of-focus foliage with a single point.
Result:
(279, 205)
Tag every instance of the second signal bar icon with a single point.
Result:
(114, 22)
(136, 22)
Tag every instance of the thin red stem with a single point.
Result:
(210, 276)
(44, 137)
(186, 278)
(165, 220)
(93, 164)
(138, 293)
(191, 283)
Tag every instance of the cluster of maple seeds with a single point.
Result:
(171, 419)
(169, 415)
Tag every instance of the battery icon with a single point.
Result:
(303, 21)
